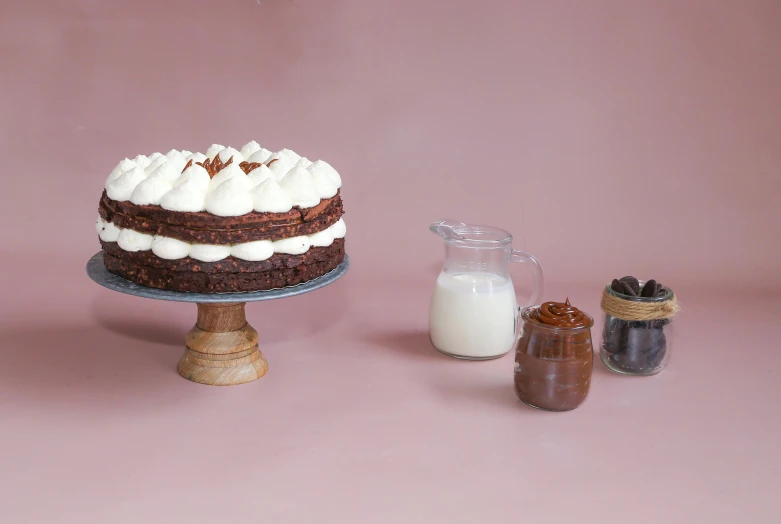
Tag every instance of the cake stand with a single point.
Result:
(222, 348)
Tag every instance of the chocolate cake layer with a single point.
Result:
(228, 275)
(205, 228)
(203, 219)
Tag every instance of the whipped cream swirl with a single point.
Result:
(284, 180)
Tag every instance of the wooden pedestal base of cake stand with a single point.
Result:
(222, 348)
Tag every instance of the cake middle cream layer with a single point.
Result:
(174, 249)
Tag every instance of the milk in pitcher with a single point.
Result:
(472, 315)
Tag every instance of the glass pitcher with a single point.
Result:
(474, 310)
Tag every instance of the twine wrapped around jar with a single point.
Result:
(635, 310)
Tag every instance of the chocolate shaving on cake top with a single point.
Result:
(249, 166)
(215, 166)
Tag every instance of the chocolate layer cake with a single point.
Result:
(223, 221)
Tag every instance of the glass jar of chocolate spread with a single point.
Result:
(554, 357)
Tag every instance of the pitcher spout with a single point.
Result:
(447, 229)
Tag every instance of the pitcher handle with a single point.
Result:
(537, 279)
(537, 283)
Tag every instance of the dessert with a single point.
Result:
(554, 357)
(637, 314)
(226, 220)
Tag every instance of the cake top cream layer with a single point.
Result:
(223, 181)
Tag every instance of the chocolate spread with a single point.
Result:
(554, 357)
(560, 315)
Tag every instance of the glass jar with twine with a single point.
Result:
(637, 334)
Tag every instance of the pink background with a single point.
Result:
(610, 137)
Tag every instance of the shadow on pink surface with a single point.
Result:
(141, 329)
(277, 321)
(466, 386)
(413, 344)
(496, 393)
(68, 364)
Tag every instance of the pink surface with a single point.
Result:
(553, 120)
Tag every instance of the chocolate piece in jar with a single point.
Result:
(554, 357)
(646, 345)
(631, 285)
(651, 289)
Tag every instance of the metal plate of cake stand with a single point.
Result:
(222, 348)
